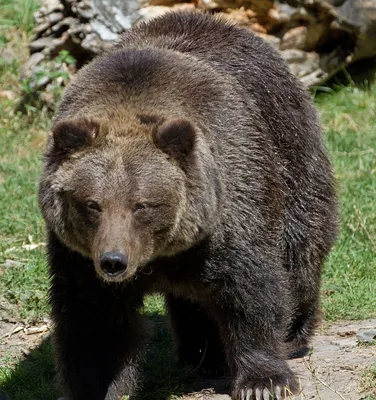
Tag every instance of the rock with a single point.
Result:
(55, 17)
(8, 54)
(294, 56)
(209, 4)
(117, 15)
(9, 95)
(277, 17)
(273, 40)
(240, 16)
(47, 7)
(164, 2)
(317, 37)
(366, 336)
(40, 44)
(12, 264)
(256, 27)
(92, 43)
(295, 38)
(151, 12)
(30, 64)
(361, 14)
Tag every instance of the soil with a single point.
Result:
(18, 338)
(332, 371)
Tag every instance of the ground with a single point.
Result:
(336, 368)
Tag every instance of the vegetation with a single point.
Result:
(349, 282)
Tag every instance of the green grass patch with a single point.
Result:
(23, 277)
(369, 382)
(17, 14)
(32, 377)
(349, 281)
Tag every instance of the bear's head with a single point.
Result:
(125, 193)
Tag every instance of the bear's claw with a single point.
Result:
(276, 393)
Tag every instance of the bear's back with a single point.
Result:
(265, 82)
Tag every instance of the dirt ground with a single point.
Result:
(333, 370)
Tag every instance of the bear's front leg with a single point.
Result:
(253, 313)
(97, 330)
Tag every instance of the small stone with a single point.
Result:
(276, 17)
(7, 94)
(8, 54)
(30, 64)
(366, 336)
(345, 343)
(12, 263)
(294, 55)
(294, 38)
(42, 27)
(256, 27)
(148, 13)
(240, 16)
(161, 2)
(273, 40)
(55, 17)
(40, 44)
(92, 43)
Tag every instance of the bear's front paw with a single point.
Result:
(278, 387)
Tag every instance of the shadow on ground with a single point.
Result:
(361, 74)
(33, 378)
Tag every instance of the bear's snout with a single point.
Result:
(113, 263)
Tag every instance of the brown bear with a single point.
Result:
(187, 161)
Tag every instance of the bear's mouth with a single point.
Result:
(113, 268)
(120, 276)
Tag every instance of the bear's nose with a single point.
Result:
(113, 263)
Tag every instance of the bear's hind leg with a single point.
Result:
(304, 266)
(302, 328)
(197, 339)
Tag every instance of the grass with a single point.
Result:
(369, 382)
(22, 139)
(18, 14)
(349, 281)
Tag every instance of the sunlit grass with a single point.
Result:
(349, 281)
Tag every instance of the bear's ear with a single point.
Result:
(69, 136)
(176, 137)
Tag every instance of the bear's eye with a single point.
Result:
(139, 207)
(93, 206)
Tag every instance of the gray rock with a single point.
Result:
(40, 44)
(117, 15)
(8, 54)
(55, 17)
(366, 336)
(12, 264)
(30, 64)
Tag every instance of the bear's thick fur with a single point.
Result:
(186, 161)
